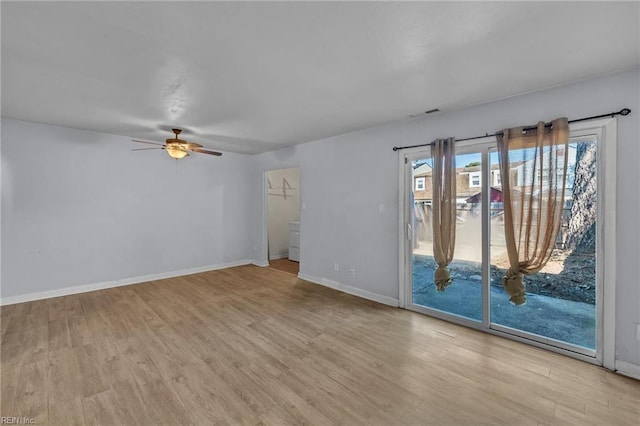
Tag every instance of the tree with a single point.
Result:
(581, 234)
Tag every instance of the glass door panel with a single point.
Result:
(464, 297)
(561, 298)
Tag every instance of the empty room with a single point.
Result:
(355, 213)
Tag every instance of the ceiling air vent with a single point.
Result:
(431, 111)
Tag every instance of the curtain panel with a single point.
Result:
(533, 168)
(444, 208)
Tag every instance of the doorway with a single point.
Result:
(569, 308)
(282, 189)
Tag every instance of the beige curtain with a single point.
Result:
(533, 166)
(444, 208)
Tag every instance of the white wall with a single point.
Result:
(281, 209)
(351, 188)
(81, 208)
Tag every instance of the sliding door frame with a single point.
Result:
(605, 130)
(482, 147)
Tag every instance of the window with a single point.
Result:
(475, 179)
(420, 184)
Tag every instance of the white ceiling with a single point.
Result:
(252, 77)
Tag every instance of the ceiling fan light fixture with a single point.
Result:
(176, 152)
(177, 148)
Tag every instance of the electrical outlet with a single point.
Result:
(352, 272)
(336, 267)
(638, 331)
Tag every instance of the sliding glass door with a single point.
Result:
(564, 306)
(464, 299)
(561, 298)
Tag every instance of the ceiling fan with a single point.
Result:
(177, 148)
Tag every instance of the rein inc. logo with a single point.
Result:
(17, 420)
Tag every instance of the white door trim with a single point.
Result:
(606, 132)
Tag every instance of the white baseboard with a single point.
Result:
(279, 256)
(628, 369)
(116, 283)
(351, 290)
(261, 263)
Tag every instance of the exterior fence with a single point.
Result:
(422, 219)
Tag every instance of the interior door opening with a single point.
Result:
(282, 188)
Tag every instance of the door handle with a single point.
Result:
(409, 232)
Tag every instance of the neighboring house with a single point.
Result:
(468, 182)
(495, 197)
(523, 174)
(422, 182)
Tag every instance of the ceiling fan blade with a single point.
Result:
(205, 151)
(144, 149)
(152, 143)
(192, 145)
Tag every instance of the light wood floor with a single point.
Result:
(285, 265)
(253, 345)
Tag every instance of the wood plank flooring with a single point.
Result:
(251, 346)
(285, 265)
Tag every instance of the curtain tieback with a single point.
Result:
(442, 278)
(513, 283)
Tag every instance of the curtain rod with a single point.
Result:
(623, 111)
